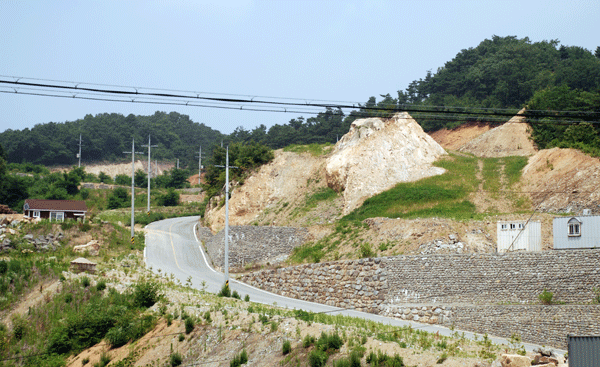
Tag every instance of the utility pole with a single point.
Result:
(177, 163)
(149, 169)
(79, 154)
(133, 152)
(227, 215)
(199, 164)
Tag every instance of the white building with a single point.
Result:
(582, 231)
(518, 235)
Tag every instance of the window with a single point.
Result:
(513, 226)
(57, 216)
(36, 213)
(521, 225)
(574, 227)
(503, 226)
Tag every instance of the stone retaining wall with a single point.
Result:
(253, 244)
(354, 283)
(464, 291)
(571, 275)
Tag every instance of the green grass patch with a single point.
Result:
(439, 196)
(513, 168)
(316, 150)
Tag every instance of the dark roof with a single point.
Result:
(63, 205)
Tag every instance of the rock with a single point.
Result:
(514, 360)
(548, 352)
(92, 247)
(384, 151)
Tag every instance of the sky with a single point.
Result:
(311, 50)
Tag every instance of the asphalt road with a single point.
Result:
(172, 247)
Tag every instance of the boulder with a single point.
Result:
(92, 247)
(514, 360)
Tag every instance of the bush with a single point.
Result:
(85, 282)
(225, 291)
(317, 358)
(287, 347)
(546, 297)
(145, 293)
(247, 298)
(171, 198)
(189, 325)
(235, 295)
(176, 359)
(308, 341)
(117, 336)
(101, 285)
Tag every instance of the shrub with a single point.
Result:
(244, 356)
(145, 293)
(85, 282)
(287, 347)
(546, 297)
(85, 361)
(117, 336)
(442, 358)
(225, 291)
(308, 341)
(104, 361)
(101, 285)
(317, 358)
(235, 295)
(189, 325)
(247, 298)
(176, 359)
(181, 337)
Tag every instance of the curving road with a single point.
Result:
(172, 247)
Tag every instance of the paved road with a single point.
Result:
(172, 247)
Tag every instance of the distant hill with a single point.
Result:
(106, 136)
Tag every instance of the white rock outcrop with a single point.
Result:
(377, 154)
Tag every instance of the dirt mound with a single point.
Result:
(377, 154)
(457, 137)
(563, 180)
(509, 139)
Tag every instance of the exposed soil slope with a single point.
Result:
(563, 180)
(509, 139)
(283, 183)
(456, 138)
(376, 154)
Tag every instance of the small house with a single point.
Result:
(519, 235)
(82, 264)
(576, 232)
(58, 210)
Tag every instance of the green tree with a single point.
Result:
(140, 178)
(171, 198)
(118, 198)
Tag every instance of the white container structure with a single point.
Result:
(576, 232)
(518, 235)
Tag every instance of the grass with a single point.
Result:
(445, 195)
(438, 196)
(316, 150)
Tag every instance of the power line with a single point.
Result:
(280, 101)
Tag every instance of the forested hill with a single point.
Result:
(501, 72)
(106, 136)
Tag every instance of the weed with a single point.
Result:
(546, 297)
(287, 347)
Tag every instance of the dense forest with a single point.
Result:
(106, 136)
(499, 73)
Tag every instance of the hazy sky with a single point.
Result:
(314, 50)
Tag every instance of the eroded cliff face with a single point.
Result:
(377, 154)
